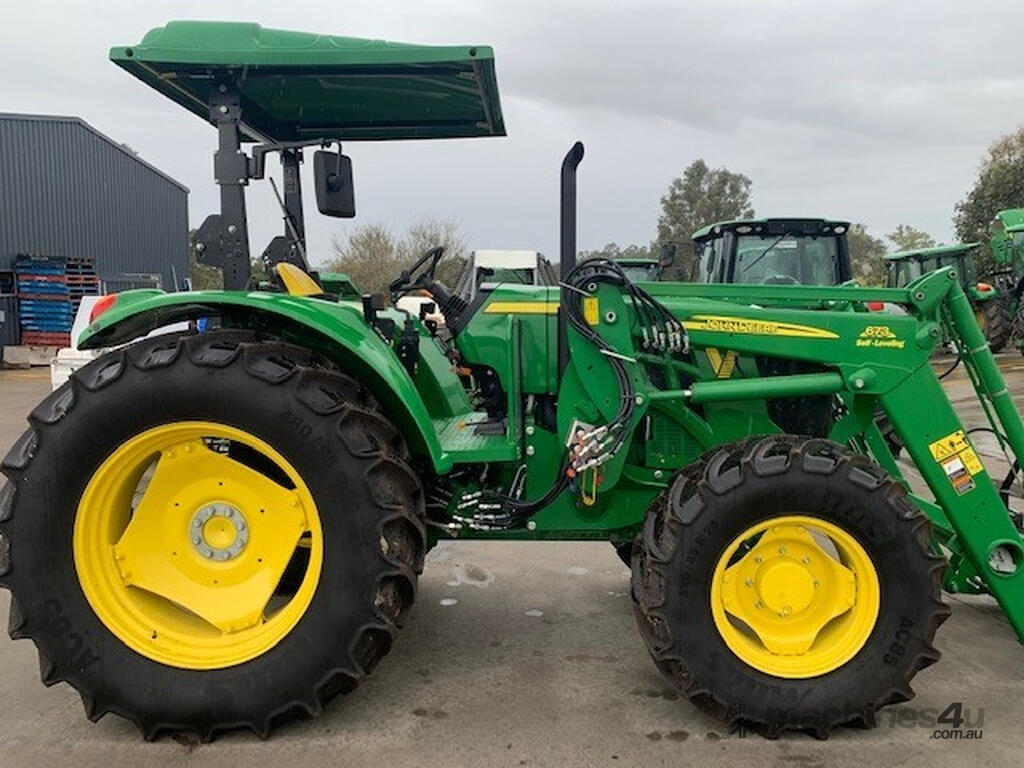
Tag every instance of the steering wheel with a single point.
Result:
(416, 276)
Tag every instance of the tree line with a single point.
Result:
(372, 254)
(703, 195)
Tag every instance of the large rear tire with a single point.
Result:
(785, 583)
(202, 460)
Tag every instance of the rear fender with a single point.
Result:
(336, 330)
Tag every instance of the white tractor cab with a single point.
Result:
(488, 268)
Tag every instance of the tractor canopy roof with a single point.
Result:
(1010, 220)
(957, 250)
(772, 226)
(297, 86)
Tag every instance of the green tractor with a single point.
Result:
(221, 529)
(990, 310)
(1007, 248)
(775, 251)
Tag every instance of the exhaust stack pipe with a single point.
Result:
(567, 249)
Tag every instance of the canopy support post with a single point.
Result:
(223, 239)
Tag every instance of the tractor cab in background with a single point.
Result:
(903, 267)
(990, 309)
(487, 268)
(773, 251)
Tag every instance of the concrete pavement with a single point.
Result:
(526, 654)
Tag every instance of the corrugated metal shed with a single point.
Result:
(68, 190)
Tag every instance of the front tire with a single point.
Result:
(786, 583)
(268, 435)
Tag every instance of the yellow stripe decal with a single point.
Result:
(745, 325)
(521, 308)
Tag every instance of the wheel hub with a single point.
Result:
(219, 531)
(792, 602)
(785, 587)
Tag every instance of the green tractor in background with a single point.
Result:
(1006, 243)
(221, 529)
(774, 251)
(990, 310)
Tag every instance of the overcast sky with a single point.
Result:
(873, 111)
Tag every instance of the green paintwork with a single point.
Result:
(298, 86)
(867, 360)
(340, 285)
(853, 361)
(486, 338)
(338, 329)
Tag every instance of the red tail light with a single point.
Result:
(102, 306)
(984, 287)
(875, 306)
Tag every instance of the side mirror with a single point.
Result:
(332, 173)
(666, 255)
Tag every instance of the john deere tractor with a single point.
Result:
(775, 251)
(220, 529)
(990, 310)
(1007, 248)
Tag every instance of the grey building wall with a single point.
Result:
(68, 190)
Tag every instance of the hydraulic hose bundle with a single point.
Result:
(659, 331)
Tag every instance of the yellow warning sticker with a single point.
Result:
(950, 445)
(591, 310)
(958, 460)
(971, 461)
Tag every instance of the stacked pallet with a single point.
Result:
(50, 288)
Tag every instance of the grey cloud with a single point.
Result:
(876, 111)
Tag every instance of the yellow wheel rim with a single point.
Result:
(795, 596)
(180, 547)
